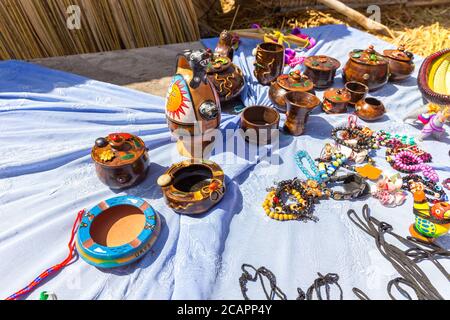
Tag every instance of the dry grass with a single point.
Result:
(424, 30)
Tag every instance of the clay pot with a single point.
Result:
(401, 63)
(357, 90)
(370, 109)
(269, 62)
(336, 100)
(321, 70)
(121, 160)
(193, 186)
(192, 104)
(117, 232)
(226, 77)
(293, 81)
(299, 106)
(258, 122)
(368, 67)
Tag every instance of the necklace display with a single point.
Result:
(414, 183)
(355, 138)
(407, 161)
(385, 139)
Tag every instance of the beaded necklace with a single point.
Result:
(408, 162)
(384, 138)
(302, 154)
(358, 133)
(414, 182)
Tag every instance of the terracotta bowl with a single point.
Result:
(258, 123)
(357, 90)
(117, 232)
(370, 109)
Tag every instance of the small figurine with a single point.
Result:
(430, 223)
(225, 46)
(434, 124)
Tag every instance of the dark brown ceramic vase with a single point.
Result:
(258, 123)
(269, 62)
(121, 160)
(299, 106)
(294, 81)
(368, 67)
(226, 77)
(321, 70)
(401, 63)
(193, 186)
(370, 109)
(357, 90)
(336, 100)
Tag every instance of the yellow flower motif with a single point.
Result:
(107, 155)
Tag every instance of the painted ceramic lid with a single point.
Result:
(113, 256)
(337, 95)
(399, 54)
(118, 149)
(368, 56)
(322, 63)
(179, 106)
(295, 81)
(218, 64)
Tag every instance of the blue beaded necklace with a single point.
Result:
(302, 154)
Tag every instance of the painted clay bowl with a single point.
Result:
(434, 78)
(357, 90)
(117, 232)
(121, 160)
(258, 122)
(193, 186)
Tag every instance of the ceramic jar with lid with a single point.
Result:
(321, 70)
(368, 67)
(336, 100)
(401, 63)
(121, 160)
(294, 81)
(226, 77)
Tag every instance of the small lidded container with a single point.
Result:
(121, 160)
(336, 100)
(321, 70)
(294, 81)
(401, 63)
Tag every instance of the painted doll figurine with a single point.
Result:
(434, 124)
(430, 223)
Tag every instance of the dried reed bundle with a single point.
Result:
(38, 28)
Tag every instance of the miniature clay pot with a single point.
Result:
(299, 106)
(117, 232)
(368, 67)
(294, 81)
(370, 109)
(121, 160)
(192, 104)
(258, 123)
(401, 63)
(321, 70)
(335, 100)
(193, 186)
(226, 77)
(357, 90)
(269, 62)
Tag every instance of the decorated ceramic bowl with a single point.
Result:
(117, 232)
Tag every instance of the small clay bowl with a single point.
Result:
(193, 186)
(357, 90)
(117, 232)
(258, 122)
(370, 109)
(299, 106)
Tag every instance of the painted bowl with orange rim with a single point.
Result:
(117, 232)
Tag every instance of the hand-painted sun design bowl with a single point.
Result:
(117, 232)
(434, 78)
(193, 186)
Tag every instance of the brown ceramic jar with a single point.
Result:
(336, 100)
(299, 106)
(401, 63)
(321, 70)
(294, 81)
(258, 122)
(269, 62)
(193, 186)
(121, 160)
(368, 67)
(226, 77)
(370, 109)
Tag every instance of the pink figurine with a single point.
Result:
(434, 124)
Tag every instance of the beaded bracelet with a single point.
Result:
(364, 142)
(302, 154)
(414, 182)
(278, 209)
(395, 148)
(362, 188)
(385, 138)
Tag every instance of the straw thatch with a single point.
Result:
(38, 28)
